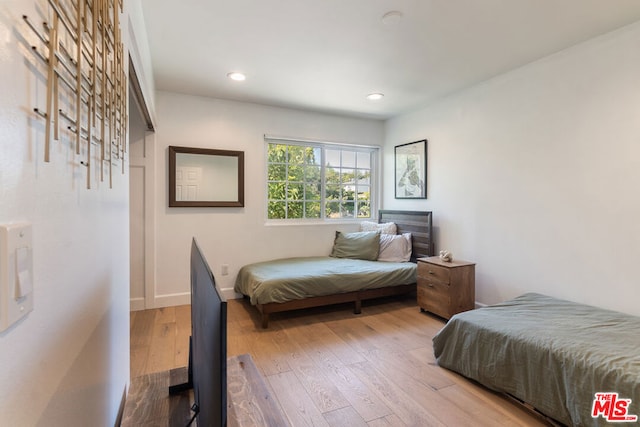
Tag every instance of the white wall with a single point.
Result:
(534, 175)
(235, 236)
(134, 28)
(67, 362)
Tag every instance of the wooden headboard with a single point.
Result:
(416, 223)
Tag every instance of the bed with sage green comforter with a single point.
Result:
(290, 279)
(550, 353)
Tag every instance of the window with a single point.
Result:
(319, 181)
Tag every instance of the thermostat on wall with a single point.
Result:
(16, 272)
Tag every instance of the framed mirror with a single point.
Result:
(202, 177)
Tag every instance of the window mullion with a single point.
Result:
(286, 186)
(323, 184)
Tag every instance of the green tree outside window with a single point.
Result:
(300, 186)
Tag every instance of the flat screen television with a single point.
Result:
(207, 346)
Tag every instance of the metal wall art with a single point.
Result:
(79, 50)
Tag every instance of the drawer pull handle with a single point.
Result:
(430, 285)
(430, 272)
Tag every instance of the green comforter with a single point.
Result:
(289, 279)
(550, 353)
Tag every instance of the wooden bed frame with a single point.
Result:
(419, 224)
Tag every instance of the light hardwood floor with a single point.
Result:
(329, 367)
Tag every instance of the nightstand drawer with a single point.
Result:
(434, 297)
(433, 273)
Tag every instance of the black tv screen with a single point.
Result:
(208, 343)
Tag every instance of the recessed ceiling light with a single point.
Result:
(236, 76)
(392, 18)
(375, 96)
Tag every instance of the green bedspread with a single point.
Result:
(297, 278)
(550, 353)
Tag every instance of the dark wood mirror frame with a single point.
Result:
(237, 202)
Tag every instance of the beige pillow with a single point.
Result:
(360, 245)
(395, 248)
(383, 228)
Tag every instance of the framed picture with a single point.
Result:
(411, 170)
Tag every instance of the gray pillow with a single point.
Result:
(360, 245)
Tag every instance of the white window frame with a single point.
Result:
(374, 180)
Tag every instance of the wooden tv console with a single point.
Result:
(249, 402)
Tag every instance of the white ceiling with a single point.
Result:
(327, 55)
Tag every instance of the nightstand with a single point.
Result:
(446, 288)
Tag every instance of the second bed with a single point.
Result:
(294, 283)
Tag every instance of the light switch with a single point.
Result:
(16, 272)
(23, 272)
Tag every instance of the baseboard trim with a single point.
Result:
(480, 305)
(172, 299)
(136, 304)
(229, 293)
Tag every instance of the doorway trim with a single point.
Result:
(147, 163)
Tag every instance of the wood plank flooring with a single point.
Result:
(329, 367)
(159, 339)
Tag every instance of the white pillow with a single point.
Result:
(383, 228)
(395, 248)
